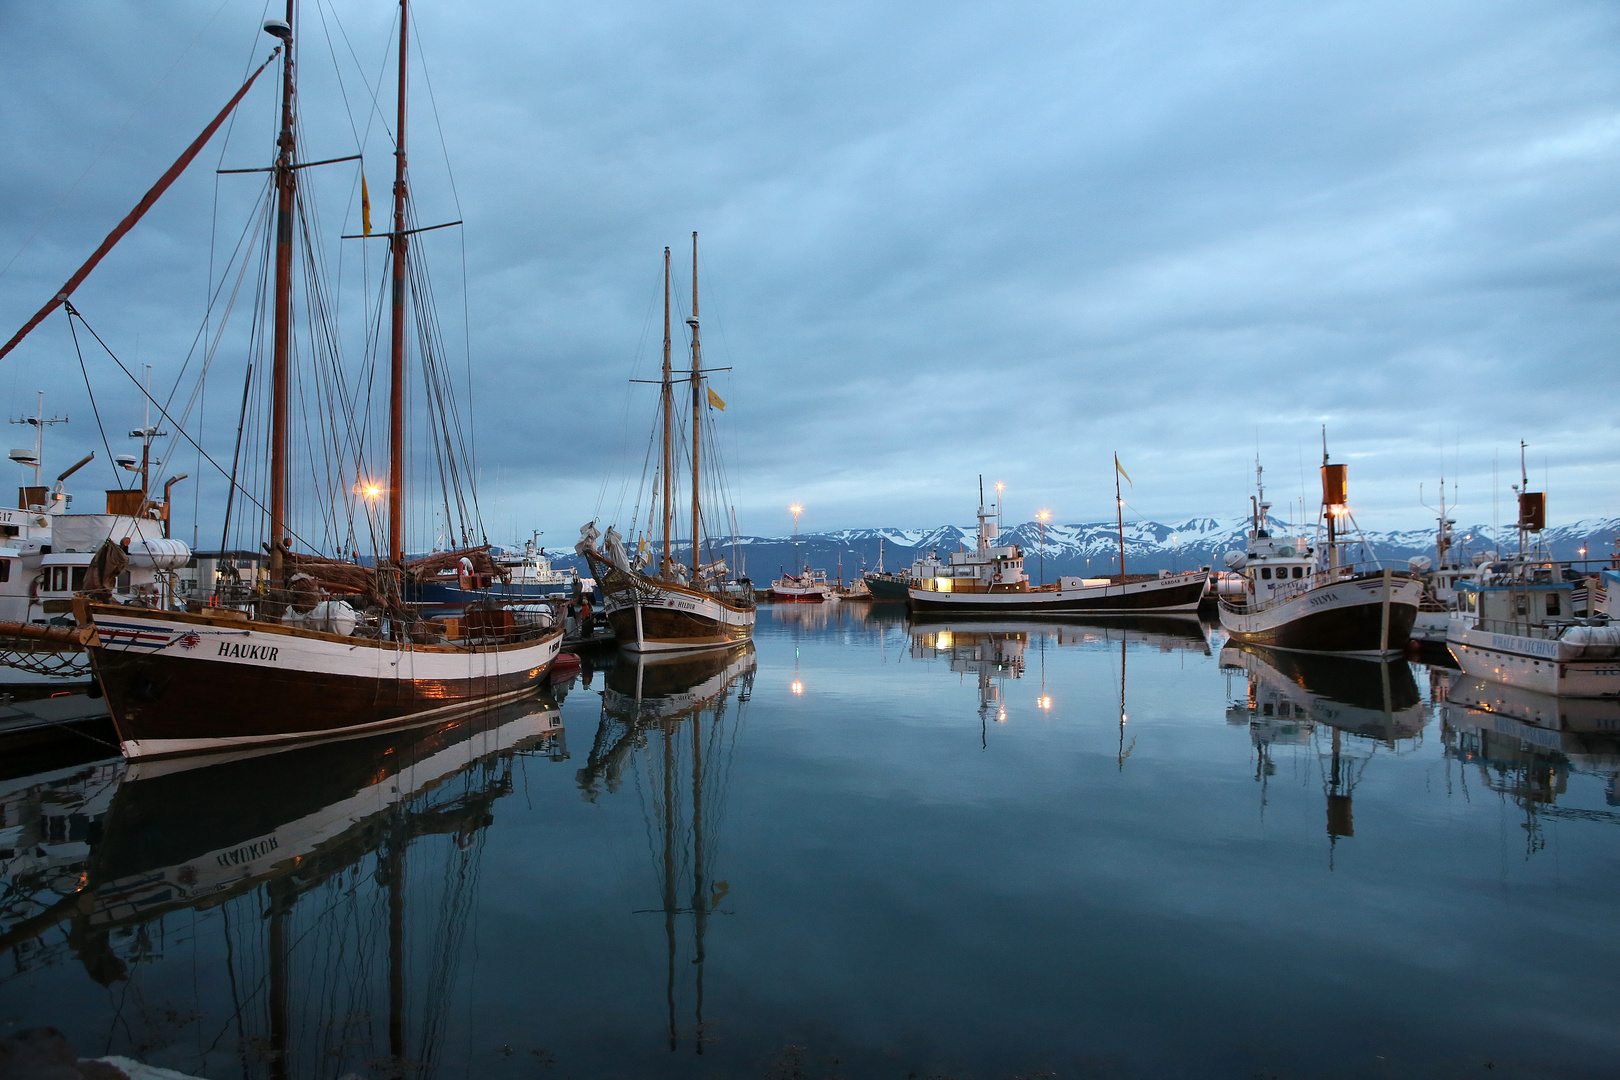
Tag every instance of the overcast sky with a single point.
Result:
(938, 239)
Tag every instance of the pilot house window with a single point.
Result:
(1265, 573)
(5, 569)
(1299, 571)
(59, 579)
(1552, 604)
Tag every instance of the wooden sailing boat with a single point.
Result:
(674, 609)
(294, 659)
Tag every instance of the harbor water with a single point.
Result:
(861, 847)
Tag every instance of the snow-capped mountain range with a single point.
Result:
(1094, 546)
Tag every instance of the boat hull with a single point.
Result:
(1156, 596)
(655, 617)
(1371, 615)
(184, 684)
(806, 596)
(885, 588)
(1542, 665)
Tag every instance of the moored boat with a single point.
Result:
(805, 587)
(991, 579)
(1530, 621)
(1301, 599)
(673, 608)
(290, 657)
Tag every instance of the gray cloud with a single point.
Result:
(937, 240)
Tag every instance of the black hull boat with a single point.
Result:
(1294, 598)
(1139, 594)
(886, 586)
(1361, 614)
(178, 683)
(991, 579)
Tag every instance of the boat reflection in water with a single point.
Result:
(1365, 706)
(1526, 745)
(671, 723)
(994, 651)
(292, 866)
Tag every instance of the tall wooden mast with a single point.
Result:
(286, 193)
(396, 343)
(668, 564)
(697, 414)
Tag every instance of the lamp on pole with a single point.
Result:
(1042, 518)
(796, 511)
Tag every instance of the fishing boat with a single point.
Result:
(991, 579)
(1527, 621)
(1440, 576)
(673, 607)
(805, 587)
(883, 585)
(321, 646)
(1303, 596)
(46, 552)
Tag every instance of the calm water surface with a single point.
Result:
(864, 848)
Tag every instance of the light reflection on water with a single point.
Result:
(864, 847)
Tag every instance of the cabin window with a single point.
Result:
(5, 569)
(1299, 571)
(1265, 573)
(59, 579)
(78, 577)
(1552, 604)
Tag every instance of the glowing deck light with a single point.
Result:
(1044, 701)
(798, 687)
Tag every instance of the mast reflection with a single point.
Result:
(297, 860)
(994, 651)
(1357, 707)
(1526, 745)
(666, 721)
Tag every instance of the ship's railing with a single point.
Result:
(1522, 628)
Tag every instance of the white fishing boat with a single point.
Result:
(1304, 597)
(1529, 621)
(805, 587)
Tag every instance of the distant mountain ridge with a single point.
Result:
(1092, 547)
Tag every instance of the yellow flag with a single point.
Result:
(365, 206)
(1122, 471)
(714, 399)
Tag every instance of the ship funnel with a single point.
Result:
(1335, 485)
(1532, 510)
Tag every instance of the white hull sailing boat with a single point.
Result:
(290, 657)
(677, 609)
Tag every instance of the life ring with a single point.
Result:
(996, 578)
